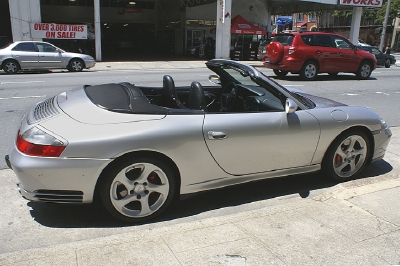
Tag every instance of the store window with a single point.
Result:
(300, 17)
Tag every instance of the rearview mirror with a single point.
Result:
(290, 106)
(214, 79)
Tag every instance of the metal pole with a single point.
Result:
(384, 26)
(97, 29)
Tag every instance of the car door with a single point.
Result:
(246, 143)
(27, 56)
(49, 56)
(348, 59)
(325, 53)
(380, 57)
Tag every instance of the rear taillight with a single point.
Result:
(36, 142)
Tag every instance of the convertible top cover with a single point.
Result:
(122, 98)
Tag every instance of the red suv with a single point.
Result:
(310, 53)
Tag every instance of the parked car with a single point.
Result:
(33, 55)
(310, 53)
(382, 59)
(139, 147)
(262, 49)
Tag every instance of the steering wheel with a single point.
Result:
(229, 95)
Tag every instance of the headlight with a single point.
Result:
(383, 124)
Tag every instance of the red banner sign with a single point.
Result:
(58, 31)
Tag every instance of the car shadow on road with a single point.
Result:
(320, 77)
(95, 215)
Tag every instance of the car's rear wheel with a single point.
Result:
(309, 70)
(347, 156)
(280, 73)
(75, 65)
(137, 189)
(387, 63)
(364, 71)
(11, 66)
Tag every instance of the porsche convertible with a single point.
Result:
(136, 148)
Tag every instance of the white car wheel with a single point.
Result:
(137, 190)
(347, 156)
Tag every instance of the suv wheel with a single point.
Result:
(364, 71)
(280, 73)
(309, 71)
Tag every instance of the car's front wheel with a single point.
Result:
(75, 65)
(11, 66)
(347, 156)
(137, 189)
(280, 73)
(387, 63)
(309, 70)
(364, 71)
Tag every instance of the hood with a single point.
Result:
(320, 102)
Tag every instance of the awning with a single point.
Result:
(301, 24)
(283, 21)
(241, 26)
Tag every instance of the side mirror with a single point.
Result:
(214, 79)
(290, 106)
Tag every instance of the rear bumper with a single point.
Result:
(61, 180)
(288, 64)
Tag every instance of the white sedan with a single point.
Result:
(33, 55)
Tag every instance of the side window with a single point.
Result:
(308, 39)
(25, 47)
(375, 51)
(44, 47)
(342, 43)
(323, 40)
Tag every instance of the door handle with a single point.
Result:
(217, 135)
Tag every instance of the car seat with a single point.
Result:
(196, 100)
(169, 94)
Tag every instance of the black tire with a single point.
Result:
(76, 65)
(138, 189)
(387, 63)
(280, 73)
(11, 67)
(333, 74)
(364, 70)
(309, 71)
(347, 156)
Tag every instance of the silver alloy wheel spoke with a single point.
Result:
(352, 158)
(139, 190)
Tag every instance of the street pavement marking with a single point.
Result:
(24, 97)
(350, 94)
(22, 82)
(380, 92)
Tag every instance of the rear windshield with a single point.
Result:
(285, 39)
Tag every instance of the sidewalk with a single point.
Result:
(142, 65)
(352, 223)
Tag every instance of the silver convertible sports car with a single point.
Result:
(137, 148)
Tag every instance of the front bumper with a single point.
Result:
(90, 63)
(381, 139)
